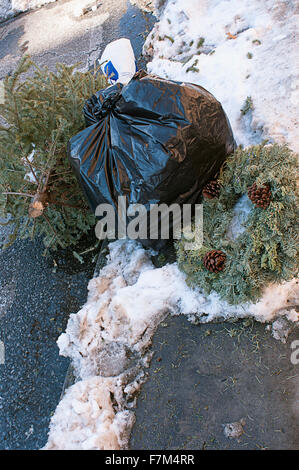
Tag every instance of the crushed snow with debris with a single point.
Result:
(242, 210)
(234, 430)
(282, 328)
(9, 8)
(249, 50)
(29, 176)
(108, 340)
(86, 418)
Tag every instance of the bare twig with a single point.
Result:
(31, 168)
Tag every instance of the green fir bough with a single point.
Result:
(267, 250)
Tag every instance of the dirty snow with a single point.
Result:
(242, 210)
(282, 328)
(86, 418)
(108, 340)
(9, 8)
(249, 50)
(29, 176)
(234, 430)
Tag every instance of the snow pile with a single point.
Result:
(242, 210)
(281, 329)
(29, 176)
(108, 340)
(236, 50)
(9, 8)
(86, 419)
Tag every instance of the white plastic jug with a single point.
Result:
(118, 61)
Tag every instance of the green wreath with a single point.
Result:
(238, 265)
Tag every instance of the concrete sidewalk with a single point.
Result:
(207, 376)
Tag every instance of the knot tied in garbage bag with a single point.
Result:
(153, 141)
(102, 104)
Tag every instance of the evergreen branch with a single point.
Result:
(18, 194)
(50, 225)
(65, 204)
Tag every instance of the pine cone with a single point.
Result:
(260, 196)
(214, 260)
(211, 190)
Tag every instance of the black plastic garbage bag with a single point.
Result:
(153, 140)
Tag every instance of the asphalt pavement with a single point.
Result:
(37, 294)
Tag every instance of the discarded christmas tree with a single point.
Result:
(38, 190)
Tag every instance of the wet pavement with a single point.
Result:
(35, 297)
(54, 33)
(39, 298)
